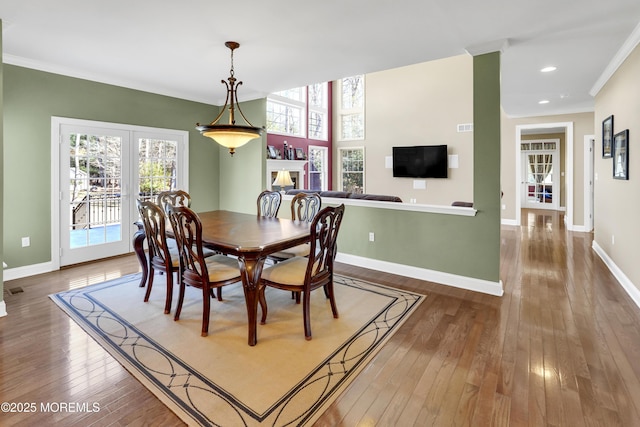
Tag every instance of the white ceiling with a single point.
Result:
(177, 48)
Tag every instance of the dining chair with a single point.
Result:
(206, 273)
(306, 274)
(269, 203)
(162, 256)
(174, 198)
(304, 207)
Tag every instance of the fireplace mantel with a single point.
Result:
(275, 165)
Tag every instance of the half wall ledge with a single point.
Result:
(400, 206)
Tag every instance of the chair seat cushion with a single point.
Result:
(208, 252)
(175, 256)
(222, 268)
(289, 272)
(300, 250)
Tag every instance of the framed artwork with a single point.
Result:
(271, 152)
(300, 154)
(621, 155)
(607, 137)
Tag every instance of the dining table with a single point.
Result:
(251, 239)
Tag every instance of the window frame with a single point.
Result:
(341, 171)
(301, 106)
(344, 112)
(325, 167)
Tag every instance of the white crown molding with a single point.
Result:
(488, 47)
(622, 54)
(70, 72)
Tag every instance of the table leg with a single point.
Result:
(138, 247)
(251, 270)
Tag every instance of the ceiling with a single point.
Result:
(177, 48)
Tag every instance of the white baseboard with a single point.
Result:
(27, 270)
(504, 221)
(463, 282)
(622, 278)
(3, 309)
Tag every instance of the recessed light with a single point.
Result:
(548, 69)
(544, 101)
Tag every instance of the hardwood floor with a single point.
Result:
(560, 348)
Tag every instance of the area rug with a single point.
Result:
(220, 380)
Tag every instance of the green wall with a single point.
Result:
(1, 168)
(460, 245)
(30, 99)
(243, 176)
(465, 246)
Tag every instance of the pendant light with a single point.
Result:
(231, 135)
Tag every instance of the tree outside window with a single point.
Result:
(352, 169)
(352, 100)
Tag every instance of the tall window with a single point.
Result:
(301, 112)
(318, 111)
(286, 112)
(351, 113)
(318, 167)
(351, 169)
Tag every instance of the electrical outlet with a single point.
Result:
(26, 241)
(372, 236)
(613, 239)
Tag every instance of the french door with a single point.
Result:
(540, 170)
(103, 168)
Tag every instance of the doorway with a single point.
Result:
(540, 173)
(567, 164)
(100, 170)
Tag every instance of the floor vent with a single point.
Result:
(14, 291)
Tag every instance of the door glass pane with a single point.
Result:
(156, 167)
(95, 172)
(540, 178)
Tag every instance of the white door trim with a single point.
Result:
(56, 123)
(589, 158)
(568, 163)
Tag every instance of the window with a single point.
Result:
(301, 112)
(351, 169)
(286, 111)
(318, 111)
(318, 166)
(351, 108)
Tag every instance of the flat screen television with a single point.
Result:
(423, 161)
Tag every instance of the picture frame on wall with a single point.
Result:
(621, 155)
(607, 137)
(271, 152)
(300, 154)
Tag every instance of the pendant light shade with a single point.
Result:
(231, 135)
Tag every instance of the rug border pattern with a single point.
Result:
(333, 374)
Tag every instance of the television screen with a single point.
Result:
(424, 161)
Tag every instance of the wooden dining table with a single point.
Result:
(249, 237)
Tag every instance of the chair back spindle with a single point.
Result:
(269, 203)
(174, 198)
(305, 206)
